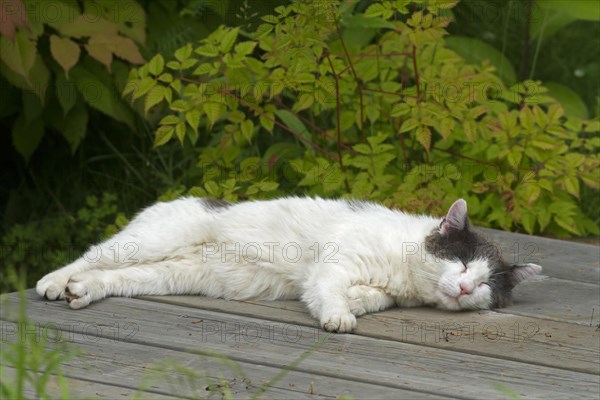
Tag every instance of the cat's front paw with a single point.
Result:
(52, 286)
(343, 322)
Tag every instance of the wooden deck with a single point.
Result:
(546, 346)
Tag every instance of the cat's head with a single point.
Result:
(473, 274)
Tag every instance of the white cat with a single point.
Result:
(341, 258)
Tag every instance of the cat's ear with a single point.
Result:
(456, 218)
(520, 272)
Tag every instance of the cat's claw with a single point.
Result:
(341, 323)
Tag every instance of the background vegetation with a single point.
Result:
(109, 105)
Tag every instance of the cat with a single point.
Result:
(342, 258)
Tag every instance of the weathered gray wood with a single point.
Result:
(352, 357)
(546, 298)
(557, 299)
(83, 388)
(132, 365)
(520, 338)
(560, 259)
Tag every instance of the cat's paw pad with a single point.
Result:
(77, 294)
(339, 323)
(52, 286)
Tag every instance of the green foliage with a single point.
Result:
(301, 105)
(43, 246)
(62, 59)
(536, 38)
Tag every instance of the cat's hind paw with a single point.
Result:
(341, 323)
(84, 288)
(52, 286)
(77, 295)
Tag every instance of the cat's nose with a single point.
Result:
(464, 289)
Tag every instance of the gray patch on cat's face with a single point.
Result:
(468, 245)
(215, 204)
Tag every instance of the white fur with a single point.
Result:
(351, 261)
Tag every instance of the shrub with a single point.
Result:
(325, 100)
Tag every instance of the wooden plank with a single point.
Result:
(557, 299)
(544, 298)
(111, 360)
(83, 388)
(513, 337)
(560, 259)
(353, 357)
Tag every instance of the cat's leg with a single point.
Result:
(170, 277)
(163, 229)
(364, 299)
(325, 295)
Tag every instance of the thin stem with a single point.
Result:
(504, 35)
(539, 44)
(315, 127)
(526, 41)
(339, 122)
(356, 78)
(416, 69)
(373, 54)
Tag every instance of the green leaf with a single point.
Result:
(143, 86)
(163, 134)
(304, 101)
(213, 111)
(400, 109)
(20, 54)
(470, 129)
(475, 51)
(66, 93)
(97, 91)
(245, 48)
(75, 125)
(183, 53)
(27, 136)
(154, 96)
(571, 183)
(292, 122)
(207, 50)
(193, 119)
(409, 125)
(267, 121)
(99, 50)
(65, 52)
(424, 137)
(180, 105)
(197, 191)
(228, 39)
(447, 127)
(247, 128)
(566, 223)
(573, 105)
(514, 156)
(180, 131)
(156, 65)
(169, 120)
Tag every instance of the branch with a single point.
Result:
(338, 124)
